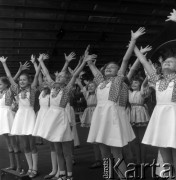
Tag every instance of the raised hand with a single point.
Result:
(32, 58)
(86, 82)
(87, 50)
(56, 73)
(160, 59)
(88, 57)
(138, 33)
(70, 57)
(3, 59)
(172, 16)
(81, 74)
(146, 49)
(24, 66)
(43, 57)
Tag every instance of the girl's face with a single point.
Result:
(111, 70)
(56, 86)
(169, 63)
(91, 87)
(135, 85)
(61, 78)
(23, 81)
(3, 86)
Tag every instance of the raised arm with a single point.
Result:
(7, 71)
(68, 59)
(22, 67)
(78, 82)
(134, 37)
(144, 61)
(137, 62)
(79, 63)
(87, 58)
(33, 61)
(35, 81)
(41, 58)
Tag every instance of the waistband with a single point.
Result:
(25, 107)
(56, 107)
(7, 107)
(136, 104)
(169, 103)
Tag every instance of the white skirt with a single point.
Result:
(110, 125)
(24, 121)
(6, 120)
(56, 127)
(38, 129)
(161, 130)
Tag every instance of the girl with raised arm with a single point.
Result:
(139, 116)
(56, 121)
(110, 126)
(24, 120)
(161, 130)
(7, 119)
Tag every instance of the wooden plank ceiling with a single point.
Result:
(57, 26)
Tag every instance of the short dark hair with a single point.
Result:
(5, 80)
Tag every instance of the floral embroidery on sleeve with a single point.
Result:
(98, 78)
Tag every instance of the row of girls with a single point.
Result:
(107, 116)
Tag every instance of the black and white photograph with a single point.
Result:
(87, 89)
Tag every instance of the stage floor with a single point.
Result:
(83, 156)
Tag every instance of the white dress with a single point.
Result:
(161, 130)
(6, 117)
(110, 124)
(56, 126)
(25, 117)
(44, 106)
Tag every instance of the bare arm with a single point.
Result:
(87, 58)
(45, 70)
(93, 68)
(7, 71)
(133, 69)
(79, 63)
(144, 61)
(137, 62)
(22, 67)
(68, 59)
(134, 37)
(35, 81)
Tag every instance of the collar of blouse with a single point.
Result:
(165, 80)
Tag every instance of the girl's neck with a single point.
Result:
(168, 72)
(26, 87)
(109, 77)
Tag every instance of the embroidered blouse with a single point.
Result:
(118, 90)
(9, 97)
(66, 95)
(164, 82)
(16, 90)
